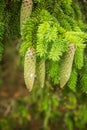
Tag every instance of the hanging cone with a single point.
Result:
(41, 72)
(26, 9)
(29, 68)
(66, 66)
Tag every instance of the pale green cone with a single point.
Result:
(66, 66)
(29, 68)
(41, 72)
(26, 9)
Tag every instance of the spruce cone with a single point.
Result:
(29, 68)
(66, 66)
(26, 10)
(41, 72)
